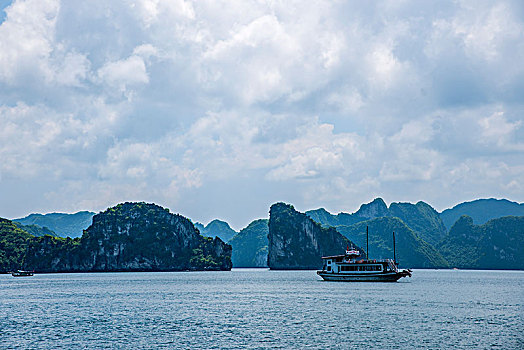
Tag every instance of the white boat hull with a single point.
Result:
(361, 277)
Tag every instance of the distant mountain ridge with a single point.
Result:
(482, 210)
(62, 224)
(420, 217)
(216, 228)
(411, 250)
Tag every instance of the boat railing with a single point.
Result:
(368, 261)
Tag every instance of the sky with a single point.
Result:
(217, 109)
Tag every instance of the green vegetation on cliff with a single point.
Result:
(211, 254)
(35, 230)
(421, 218)
(497, 244)
(250, 245)
(13, 243)
(54, 254)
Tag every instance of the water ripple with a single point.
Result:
(260, 309)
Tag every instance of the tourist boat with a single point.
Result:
(350, 268)
(21, 273)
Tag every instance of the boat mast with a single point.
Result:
(367, 243)
(394, 252)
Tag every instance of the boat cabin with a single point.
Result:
(349, 263)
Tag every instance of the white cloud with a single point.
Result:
(347, 100)
(73, 70)
(122, 73)
(497, 128)
(145, 51)
(316, 152)
(322, 104)
(384, 66)
(26, 40)
(151, 10)
(485, 32)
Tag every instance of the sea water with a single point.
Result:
(259, 309)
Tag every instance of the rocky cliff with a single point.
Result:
(55, 254)
(295, 241)
(250, 245)
(497, 244)
(131, 237)
(377, 208)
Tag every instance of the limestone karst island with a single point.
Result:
(482, 234)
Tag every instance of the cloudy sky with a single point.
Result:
(218, 109)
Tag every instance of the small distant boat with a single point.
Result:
(349, 268)
(21, 273)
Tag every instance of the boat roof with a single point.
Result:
(360, 261)
(333, 256)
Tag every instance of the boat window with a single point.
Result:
(329, 268)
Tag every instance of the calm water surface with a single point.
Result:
(256, 309)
